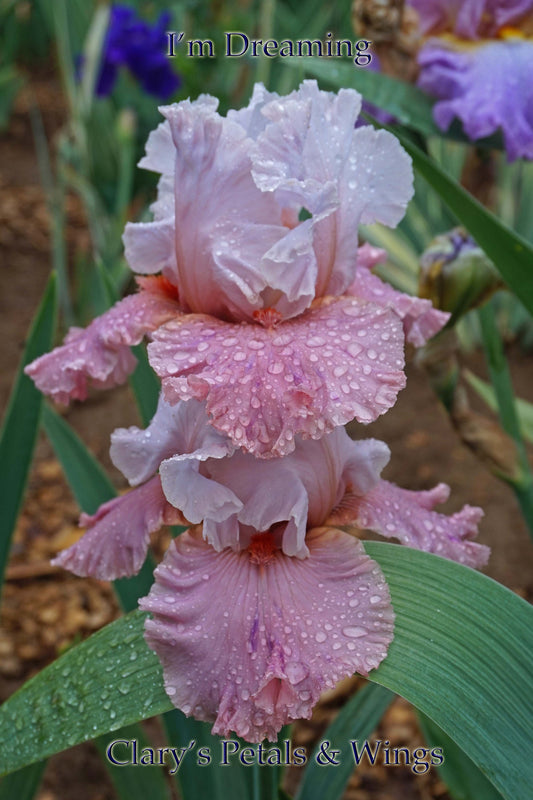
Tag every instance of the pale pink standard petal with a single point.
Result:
(262, 386)
(271, 493)
(197, 496)
(287, 495)
(249, 640)
(116, 542)
(100, 354)
(175, 429)
(149, 247)
(312, 156)
(409, 517)
(420, 320)
(223, 223)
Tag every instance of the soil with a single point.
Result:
(45, 609)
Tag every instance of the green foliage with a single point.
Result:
(23, 784)
(524, 409)
(463, 779)
(132, 783)
(21, 422)
(356, 721)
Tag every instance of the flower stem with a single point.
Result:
(501, 381)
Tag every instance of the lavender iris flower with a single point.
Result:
(478, 63)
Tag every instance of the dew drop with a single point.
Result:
(354, 633)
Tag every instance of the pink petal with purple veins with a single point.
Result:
(262, 386)
(420, 320)
(249, 640)
(99, 355)
(409, 517)
(116, 542)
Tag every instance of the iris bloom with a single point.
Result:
(264, 307)
(264, 603)
(479, 63)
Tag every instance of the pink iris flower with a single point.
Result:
(265, 604)
(264, 307)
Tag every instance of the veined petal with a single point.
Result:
(249, 640)
(116, 542)
(100, 354)
(262, 386)
(409, 517)
(420, 320)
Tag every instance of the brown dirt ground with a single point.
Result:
(45, 609)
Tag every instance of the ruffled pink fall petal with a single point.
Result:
(262, 386)
(409, 517)
(420, 320)
(100, 355)
(116, 542)
(249, 640)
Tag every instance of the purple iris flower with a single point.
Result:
(131, 42)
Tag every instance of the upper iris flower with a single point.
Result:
(262, 607)
(264, 308)
(479, 63)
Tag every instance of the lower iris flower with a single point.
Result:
(263, 603)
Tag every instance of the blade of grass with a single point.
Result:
(488, 395)
(21, 422)
(503, 388)
(23, 784)
(356, 720)
(132, 783)
(215, 781)
(459, 773)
